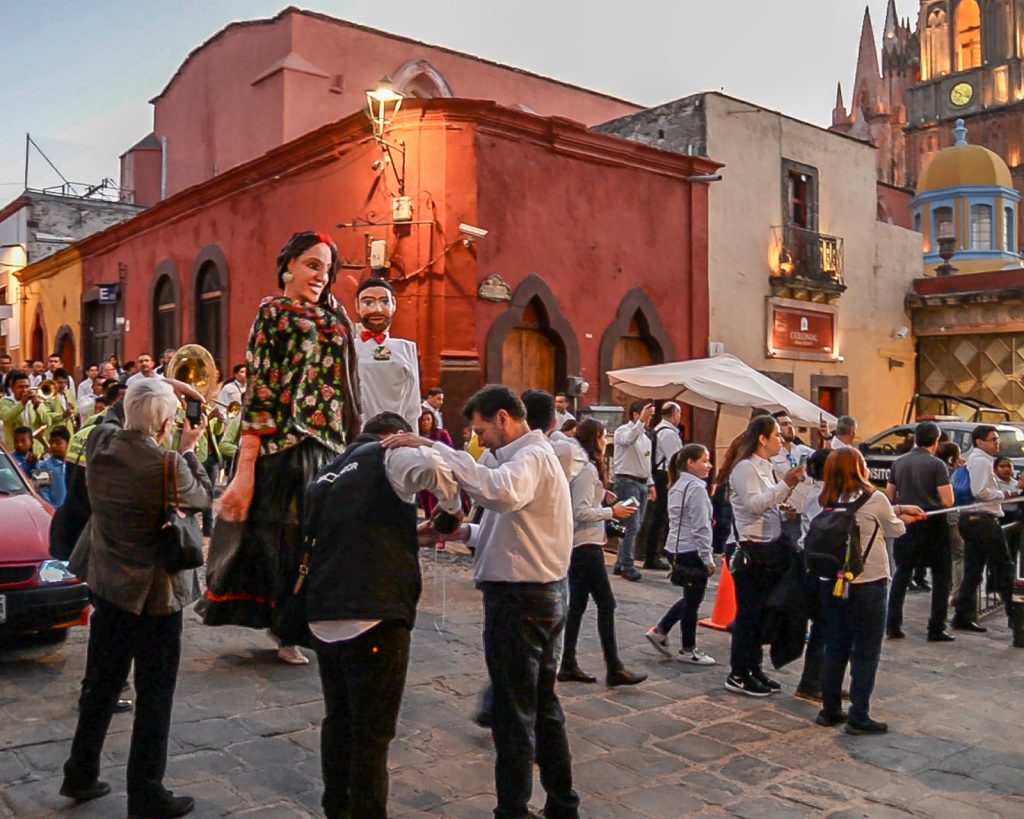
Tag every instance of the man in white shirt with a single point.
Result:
(790, 456)
(845, 434)
(433, 403)
(541, 414)
(85, 385)
(633, 481)
(54, 363)
(523, 545)
(562, 413)
(234, 390)
(667, 442)
(37, 374)
(389, 368)
(145, 364)
(981, 529)
(364, 584)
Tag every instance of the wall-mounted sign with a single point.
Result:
(108, 293)
(801, 330)
(494, 288)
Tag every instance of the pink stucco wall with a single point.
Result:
(217, 112)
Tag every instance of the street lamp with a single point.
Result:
(383, 102)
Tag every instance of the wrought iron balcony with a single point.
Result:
(809, 264)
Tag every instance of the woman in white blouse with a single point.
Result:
(587, 574)
(755, 494)
(688, 545)
(855, 620)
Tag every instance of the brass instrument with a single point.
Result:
(46, 390)
(193, 364)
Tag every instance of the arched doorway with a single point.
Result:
(209, 310)
(528, 355)
(532, 345)
(635, 339)
(37, 347)
(64, 346)
(165, 316)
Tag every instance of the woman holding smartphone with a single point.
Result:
(587, 574)
(688, 546)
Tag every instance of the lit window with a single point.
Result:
(943, 218)
(981, 227)
(968, 35)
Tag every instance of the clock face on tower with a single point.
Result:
(961, 93)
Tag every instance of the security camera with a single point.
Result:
(901, 332)
(472, 231)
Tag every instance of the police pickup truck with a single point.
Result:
(881, 450)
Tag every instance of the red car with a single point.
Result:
(38, 595)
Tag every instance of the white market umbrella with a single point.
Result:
(720, 383)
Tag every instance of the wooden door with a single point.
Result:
(630, 351)
(528, 360)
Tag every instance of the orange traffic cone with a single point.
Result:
(725, 603)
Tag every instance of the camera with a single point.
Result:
(613, 528)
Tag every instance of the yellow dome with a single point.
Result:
(965, 165)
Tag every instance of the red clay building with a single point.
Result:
(602, 244)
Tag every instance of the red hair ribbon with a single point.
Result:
(327, 240)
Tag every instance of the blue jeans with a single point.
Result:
(854, 629)
(523, 625)
(625, 489)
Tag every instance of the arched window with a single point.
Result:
(1009, 239)
(942, 224)
(917, 221)
(419, 79)
(936, 44)
(165, 316)
(209, 311)
(968, 35)
(981, 227)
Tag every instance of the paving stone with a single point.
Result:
(1002, 778)
(601, 777)
(184, 769)
(769, 808)
(810, 791)
(734, 733)
(779, 722)
(749, 770)
(648, 762)
(695, 748)
(211, 733)
(274, 721)
(870, 812)
(418, 790)
(611, 734)
(884, 756)
(269, 784)
(663, 800)
(639, 698)
(45, 758)
(658, 724)
(710, 788)
(595, 708)
(267, 751)
(11, 768)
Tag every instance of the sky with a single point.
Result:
(79, 74)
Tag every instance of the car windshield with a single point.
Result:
(895, 442)
(1011, 443)
(11, 482)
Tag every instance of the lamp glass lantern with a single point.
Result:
(383, 103)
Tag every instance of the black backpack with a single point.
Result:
(832, 544)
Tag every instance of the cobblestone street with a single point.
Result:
(245, 737)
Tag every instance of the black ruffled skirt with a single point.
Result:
(260, 578)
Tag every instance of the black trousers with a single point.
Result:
(589, 578)
(684, 610)
(363, 680)
(523, 624)
(753, 585)
(116, 638)
(924, 544)
(984, 542)
(656, 530)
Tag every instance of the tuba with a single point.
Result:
(194, 365)
(46, 390)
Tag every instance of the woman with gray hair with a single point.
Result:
(137, 605)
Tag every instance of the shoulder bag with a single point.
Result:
(180, 545)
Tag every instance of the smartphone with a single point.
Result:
(803, 459)
(193, 412)
(633, 502)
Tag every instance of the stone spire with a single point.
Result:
(890, 36)
(867, 85)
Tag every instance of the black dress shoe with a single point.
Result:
(940, 637)
(869, 727)
(85, 793)
(829, 719)
(623, 677)
(657, 565)
(168, 808)
(895, 633)
(616, 570)
(574, 673)
(632, 575)
(968, 625)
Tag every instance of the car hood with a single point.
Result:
(26, 529)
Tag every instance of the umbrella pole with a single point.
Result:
(714, 433)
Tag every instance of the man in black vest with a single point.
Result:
(363, 586)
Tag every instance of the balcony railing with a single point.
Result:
(810, 259)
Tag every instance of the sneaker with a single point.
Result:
(869, 727)
(829, 719)
(659, 640)
(746, 684)
(695, 656)
(765, 680)
(292, 655)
